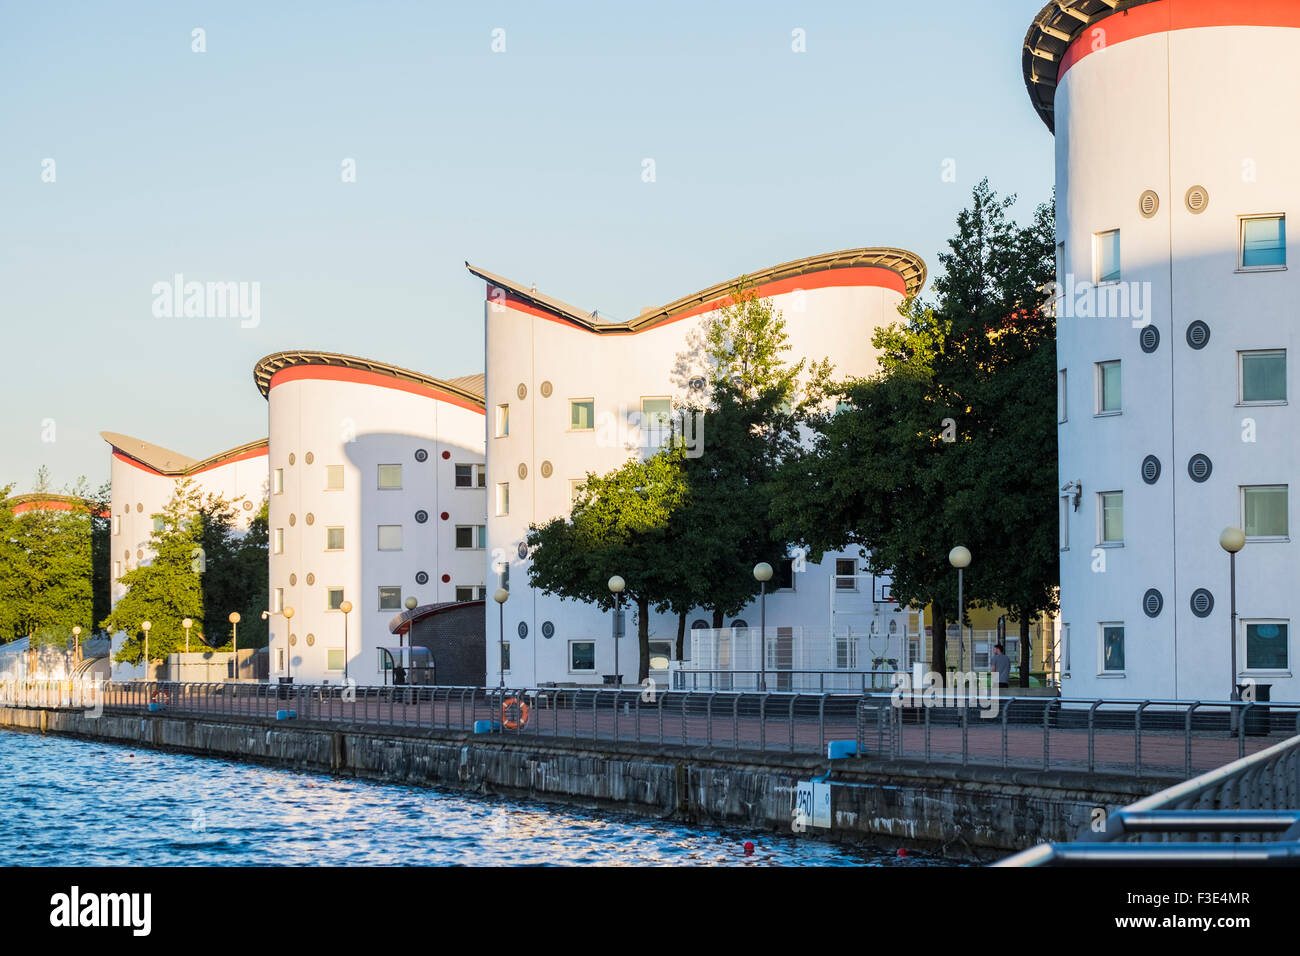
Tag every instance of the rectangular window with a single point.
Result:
(471, 537)
(279, 659)
(845, 571)
(1263, 242)
(1264, 511)
(159, 523)
(117, 524)
(333, 599)
(503, 421)
(334, 478)
(1112, 648)
(1262, 376)
(117, 569)
(1061, 414)
(1266, 645)
(333, 539)
(846, 653)
(1110, 519)
(582, 656)
(503, 498)
(277, 481)
(656, 421)
(390, 598)
(390, 477)
(1064, 522)
(482, 592)
(1108, 256)
(661, 653)
(1109, 389)
(464, 594)
(277, 600)
(277, 541)
(471, 476)
(582, 414)
(334, 659)
(575, 489)
(390, 537)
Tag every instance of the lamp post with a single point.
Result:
(234, 637)
(346, 608)
(616, 587)
(146, 626)
(500, 597)
(959, 558)
(187, 623)
(1232, 540)
(288, 643)
(76, 643)
(411, 604)
(763, 574)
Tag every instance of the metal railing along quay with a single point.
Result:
(1245, 813)
(1151, 738)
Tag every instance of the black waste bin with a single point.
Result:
(614, 679)
(284, 691)
(1256, 716)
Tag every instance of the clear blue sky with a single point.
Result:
(226, 165)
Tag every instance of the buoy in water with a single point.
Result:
(749, 848)
(902, 851)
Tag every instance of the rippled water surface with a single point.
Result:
(76, 803)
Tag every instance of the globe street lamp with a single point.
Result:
(616, 587)
(411, 605)
(762, 574)
(1232, 540)
(76, 643)
(959, 558)
(187, 623)
(500, 597)
(346, 608)
(146, 626)
(234, 637)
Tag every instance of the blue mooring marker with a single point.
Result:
(839, 749)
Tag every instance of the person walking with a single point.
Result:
(1001, 665)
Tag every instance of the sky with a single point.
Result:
(344, 160)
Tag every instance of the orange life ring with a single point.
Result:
(160, 697)
(521, 713)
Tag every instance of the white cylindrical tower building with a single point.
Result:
(376, 495)
(1175, 174)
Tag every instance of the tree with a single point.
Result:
(947, 443)
(618, 525)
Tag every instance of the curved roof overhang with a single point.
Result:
(467, 389)
(50, 502)
(1057, 26)
(164, 461)
(909, 268)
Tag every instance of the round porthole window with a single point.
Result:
(421, 455)
(446, 579)
(522, 471)
(1198, 335)
(292, 459)
(139, 555)
(293, 520)
(139, 506)
(311, 578)
(547, 469)
(293, 579)
(248, 506)
(522, 391)
(1202, 602)
(421, 516)
(548, 630)
(309, 458)
(1150, 339)
(311, 518)
(293, 639)
(421, 577)
(547, 388)
(446, 455)
(1198, 200)
(1200, 467)
(738, 623)
(1150, 469)
(523, 630)
(1149, 204)
(1153, 602)
(311, 638)
(522, 551)
(697, 384)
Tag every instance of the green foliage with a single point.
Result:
(45, 569)
(954, 441)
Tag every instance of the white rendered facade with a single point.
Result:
(144, 478)
(1171, 127)
(365, 505)
(543, 357)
